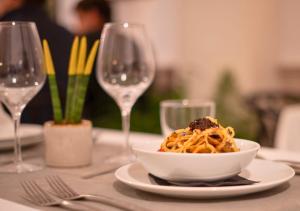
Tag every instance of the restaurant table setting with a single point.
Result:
(283, 197)
(67, 164)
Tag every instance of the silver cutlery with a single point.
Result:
(36, 195)
(64, 191)
(100, 172)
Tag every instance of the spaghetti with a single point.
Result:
(204, 135)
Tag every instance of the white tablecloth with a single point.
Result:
(285, 197)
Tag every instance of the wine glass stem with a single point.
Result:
(126, 127)
(17, 147)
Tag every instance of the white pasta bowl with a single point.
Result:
(194, 167)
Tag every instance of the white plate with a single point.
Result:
(29, 134)
(270, 175)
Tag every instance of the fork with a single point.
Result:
(36, 195)
(64, 191)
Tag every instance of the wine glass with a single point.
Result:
(21, 77)
(176, 114)
(125, 70)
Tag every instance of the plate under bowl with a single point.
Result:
(268, 173)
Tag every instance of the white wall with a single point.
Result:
(238, 34)
(289, 33)
(163, 23)
(202, 37)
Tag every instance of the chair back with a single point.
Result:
(287, 135)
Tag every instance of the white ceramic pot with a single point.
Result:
(68, 145)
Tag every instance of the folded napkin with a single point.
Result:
(233, 181)
(278, 154)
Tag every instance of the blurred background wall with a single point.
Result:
(256, 39)
(243, 54)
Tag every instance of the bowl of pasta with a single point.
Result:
(204, 151)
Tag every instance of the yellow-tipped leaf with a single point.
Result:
(90, 61)
(73, 57)
(56, 104)
(82, 55)
(48, 59)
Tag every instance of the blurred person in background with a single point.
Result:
(92, 15)
(39, 109)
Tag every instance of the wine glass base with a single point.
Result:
(20, 168)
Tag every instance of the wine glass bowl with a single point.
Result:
(126, 67)
(125, 62)
(21, 64)
(176, 114)
(22, 75)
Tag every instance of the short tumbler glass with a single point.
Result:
(176, 114)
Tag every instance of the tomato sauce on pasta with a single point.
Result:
(204, 135)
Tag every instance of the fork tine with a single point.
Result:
(27, 198)
(40, 192)
(28, 191)
(65, 189)
(43, 191)
(31, 192)
(34, 194)
(59, 179)
(37, 195)
(60, 191)
(55, 188)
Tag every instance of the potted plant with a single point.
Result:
(68, 138)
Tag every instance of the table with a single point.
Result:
(285, 197)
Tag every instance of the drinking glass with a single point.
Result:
(125, 70)
(176, 114)
(21, 77)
